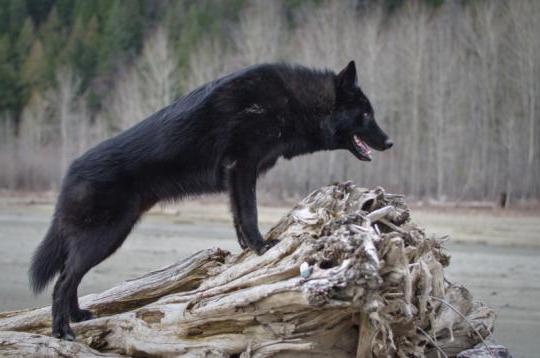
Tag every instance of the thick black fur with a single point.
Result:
(219, 137)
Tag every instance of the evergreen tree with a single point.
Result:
(188, 22)
(52, 39)
(9, 82)
(17, 14)
(34, 68)
(4, 16)
(24, 41)
(81, 50)
(39, 10)
(85, 10)
(65, 10)
(122, 35)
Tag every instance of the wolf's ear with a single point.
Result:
(347, 77)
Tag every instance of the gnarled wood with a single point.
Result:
(372, 284)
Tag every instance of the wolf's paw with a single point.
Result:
(81, 315)
(268, 244)
(64, 332)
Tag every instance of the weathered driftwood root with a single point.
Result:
(351, 276)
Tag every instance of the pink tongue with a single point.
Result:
(362, 145)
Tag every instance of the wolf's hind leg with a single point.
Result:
(86, 251)
(77, 314)
(60, 324)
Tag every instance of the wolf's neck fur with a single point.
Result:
(314, 90)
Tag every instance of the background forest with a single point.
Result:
(454, 83)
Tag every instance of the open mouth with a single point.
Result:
(361, 149)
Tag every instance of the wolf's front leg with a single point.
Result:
(242, 190)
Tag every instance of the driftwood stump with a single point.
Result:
(351, 276)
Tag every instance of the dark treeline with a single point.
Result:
(454, 82)
(95, 38)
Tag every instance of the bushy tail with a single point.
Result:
(47, 260)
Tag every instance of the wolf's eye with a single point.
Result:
(365, 115)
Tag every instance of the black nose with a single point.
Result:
(388, 144)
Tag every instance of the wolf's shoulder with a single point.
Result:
(288, 72)
(261, 72)
(264, 81)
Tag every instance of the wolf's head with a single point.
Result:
(352, 125)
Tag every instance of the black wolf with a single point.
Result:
(219, 137)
